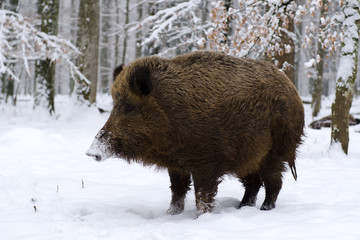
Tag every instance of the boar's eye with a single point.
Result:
(126, 108)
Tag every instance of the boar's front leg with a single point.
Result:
(206, 185)
(180, 182)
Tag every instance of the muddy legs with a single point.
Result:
(205, 191)
(180, 184)
(206, 185)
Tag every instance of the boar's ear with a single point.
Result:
(140, 81)
(117, 71)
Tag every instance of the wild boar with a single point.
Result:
(203, 115)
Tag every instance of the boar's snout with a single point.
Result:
(98, 150)
(95, 156)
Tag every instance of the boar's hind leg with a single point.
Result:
(271, 174)
(180, 182)
(252, 184)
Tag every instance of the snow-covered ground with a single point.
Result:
(49, 189)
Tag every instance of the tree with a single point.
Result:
(350, 19)
(45, 69)
(227, 30)
(319, 50)
(125, 36)
(286, 58)
(107, 53)
(88, 44)
(138, 52)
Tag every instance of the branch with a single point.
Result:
(21, 41)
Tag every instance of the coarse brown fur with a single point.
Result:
(203, 115)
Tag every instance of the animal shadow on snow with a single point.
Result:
(151, 211)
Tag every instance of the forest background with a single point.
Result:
(70, 47)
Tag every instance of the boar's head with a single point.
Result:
(137, 127)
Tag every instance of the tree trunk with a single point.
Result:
(319, 69)
(45, 69)
(346, 76)
(139, 34)
(10, 90)
(204, 18)
(227, 33)
(105, 50)
(3, 84)
(73, 33)
(125, 40)
(117, 36)
(8, 81)
(88, 44)
(286, 60)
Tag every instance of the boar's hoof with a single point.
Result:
(248, 204)
(174, 210)
(267, 207)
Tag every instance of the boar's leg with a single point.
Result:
(206, 185)
(252, 184)
(272, 178)
(180, 182)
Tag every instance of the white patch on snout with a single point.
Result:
(99, 150)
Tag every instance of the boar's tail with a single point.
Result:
(293, 170)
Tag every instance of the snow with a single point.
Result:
(345, 70)
(350, 20)
(44, 166)
(310, 63)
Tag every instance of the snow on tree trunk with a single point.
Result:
(45, 69)
(88, 44)
(350, 18)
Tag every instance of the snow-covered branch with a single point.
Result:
(171, 24)
(20, 41)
